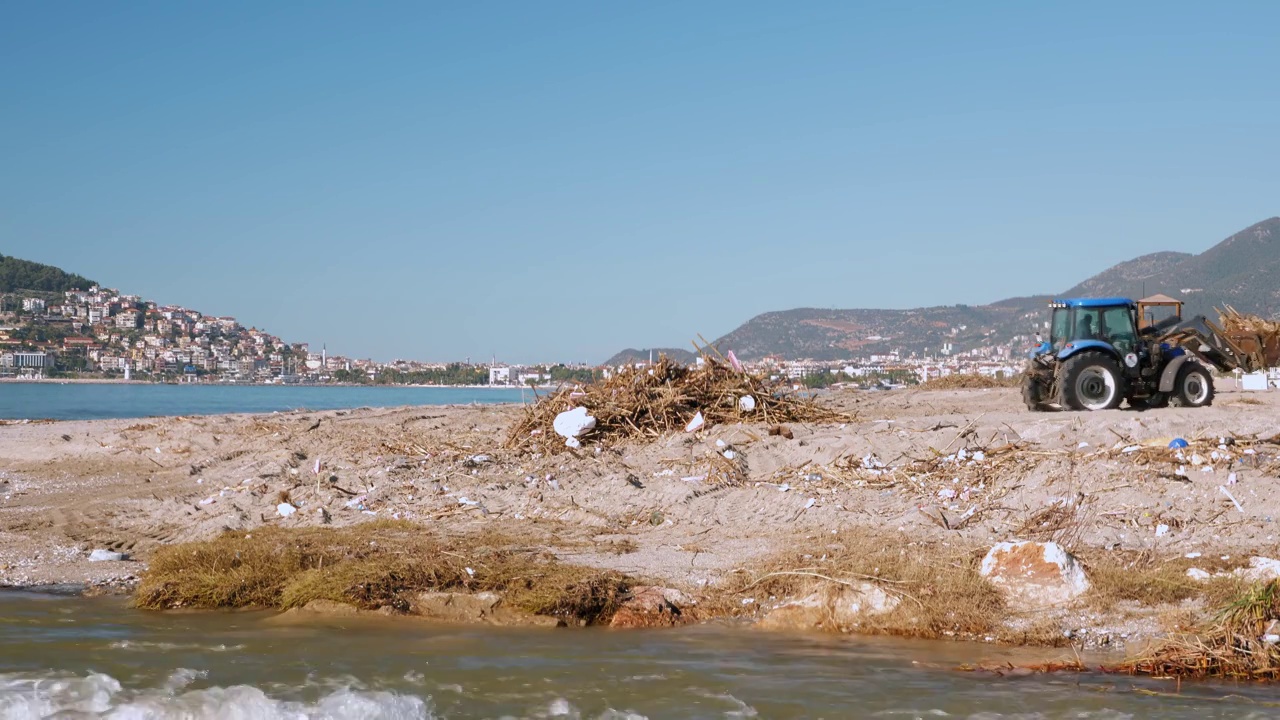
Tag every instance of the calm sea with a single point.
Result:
(85, 401)
(97, 658)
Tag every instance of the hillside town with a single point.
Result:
(103, 334)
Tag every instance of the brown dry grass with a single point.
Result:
(942, 593)
(372, 565)
(1144, 579)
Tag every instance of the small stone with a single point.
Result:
(106, 556)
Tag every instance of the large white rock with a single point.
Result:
(573, 424)
(1035, 574)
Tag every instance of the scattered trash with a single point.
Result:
(1197, 574)
(476, 460)
(1162, 530)
(811, 502)
(696, 423)
(285, 509)
(106, 556)
(1177, 443)
(729, 454)
(746, 403)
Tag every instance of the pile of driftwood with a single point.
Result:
(968, 381)
(648, 401)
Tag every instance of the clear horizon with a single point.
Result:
(562, 181)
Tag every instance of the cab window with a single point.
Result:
(1060, 327)
(1088, 320)
(1117, 329)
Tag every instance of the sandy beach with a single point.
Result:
(647, 509)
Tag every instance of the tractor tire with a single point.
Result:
(1033, 392)
(1192, 388)
(1091, 381)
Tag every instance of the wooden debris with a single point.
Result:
(645, 403)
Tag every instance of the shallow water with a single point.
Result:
(79, 658)
(91, 401)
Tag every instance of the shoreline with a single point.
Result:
(639, 509)
(121, 381)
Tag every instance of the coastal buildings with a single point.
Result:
(103, 332)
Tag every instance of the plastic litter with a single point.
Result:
(1162, 530)
(573, 423)
(746, 403)
(285, 509)
(696, 423)
(1223, 489)
(1177, 443)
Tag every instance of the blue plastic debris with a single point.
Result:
(1177, 443)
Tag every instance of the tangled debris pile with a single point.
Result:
(1258, 337)
(968, 381)
(664, 397)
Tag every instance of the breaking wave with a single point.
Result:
(96, 695)
(24, 696)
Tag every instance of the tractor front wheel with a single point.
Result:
(1192, 388)
(1091, 381)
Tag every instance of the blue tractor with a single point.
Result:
(1105, 351)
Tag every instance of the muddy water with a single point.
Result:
(79, 658)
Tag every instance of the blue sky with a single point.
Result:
(556, 181)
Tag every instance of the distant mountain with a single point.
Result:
(839, 334)
(18, 275)
(631, 356)
(1242, 271)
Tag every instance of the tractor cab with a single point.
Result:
(1092, 323)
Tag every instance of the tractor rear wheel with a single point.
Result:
(1033, 391)
(1091, 381)
(1192, 388)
